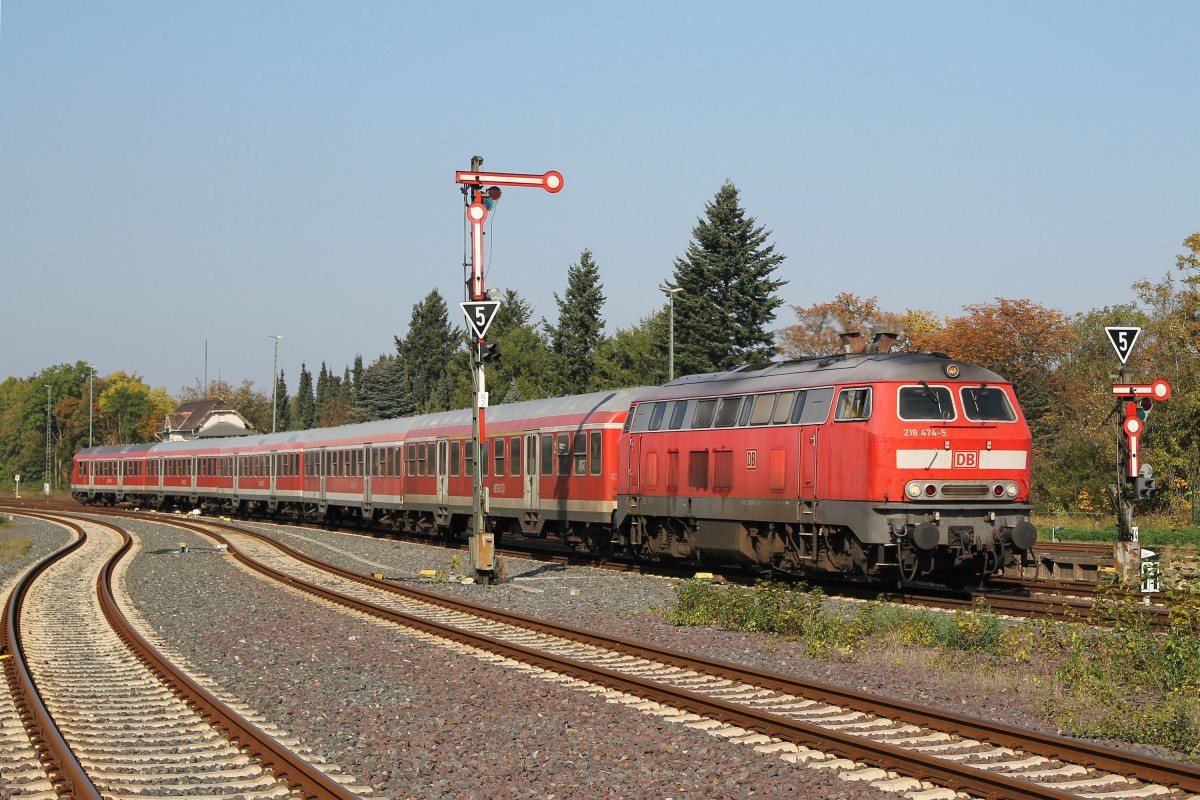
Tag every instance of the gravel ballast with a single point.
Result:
(415, 720)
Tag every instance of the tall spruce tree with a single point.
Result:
(728, 298)
(304, 414)
(281, 403)
(427, 352)
(580, 327)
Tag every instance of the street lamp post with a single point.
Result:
(670, 292)
(274, 379)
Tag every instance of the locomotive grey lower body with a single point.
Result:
(952, 544)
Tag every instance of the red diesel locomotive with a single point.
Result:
(887, 466)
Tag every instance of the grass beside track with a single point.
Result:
(1125, 682)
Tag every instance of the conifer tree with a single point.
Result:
(381, 393)
(305, 407)
(580, 327)
(427, 352)
(728, 302)
(281, 403)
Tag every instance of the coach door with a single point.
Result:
(533, 472)
(443, 471)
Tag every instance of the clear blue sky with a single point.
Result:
(176, 173)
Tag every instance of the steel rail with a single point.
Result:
(1169, 773)
(65, 772)
(899, 759)
(260, 746)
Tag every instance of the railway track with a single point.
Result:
(106, 714)
(1056, 599)
(896, 746)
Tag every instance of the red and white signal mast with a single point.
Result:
(480, 311)
(1134, 402)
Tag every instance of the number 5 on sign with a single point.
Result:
(479, 314)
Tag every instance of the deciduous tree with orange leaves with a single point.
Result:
(1022, 340)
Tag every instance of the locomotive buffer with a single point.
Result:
(480, 311)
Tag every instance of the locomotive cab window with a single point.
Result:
(656, 416)
(986, 404)
(925, 402)
(853, 404)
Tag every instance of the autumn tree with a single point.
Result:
(728, 299)
(819, 325)
(1023, 341)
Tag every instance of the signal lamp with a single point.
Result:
(491, 197)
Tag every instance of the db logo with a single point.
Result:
(965, 459)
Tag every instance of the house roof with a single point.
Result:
(189, 417)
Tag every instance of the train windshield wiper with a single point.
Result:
(937, 400)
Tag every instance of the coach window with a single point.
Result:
(986, 404)
(469, 457)
(853, 405)
(727, 412)
(412, 461)
(580, 448)
(564, 454)
(744, 414)
(485, 455)
(454, 458)
(678, 414)
(514, 449)
(422, 460)
(498, 455)
(704, 413)
(547, 454)
(358, 463)
(783, 408)
(926, 402)
(764, 407)
(656, 415)
(596, 453)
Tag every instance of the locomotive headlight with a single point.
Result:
(913, 489)
(1012, 490)
(951, 370)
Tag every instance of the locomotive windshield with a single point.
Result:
(926, 402)
(987, 404)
